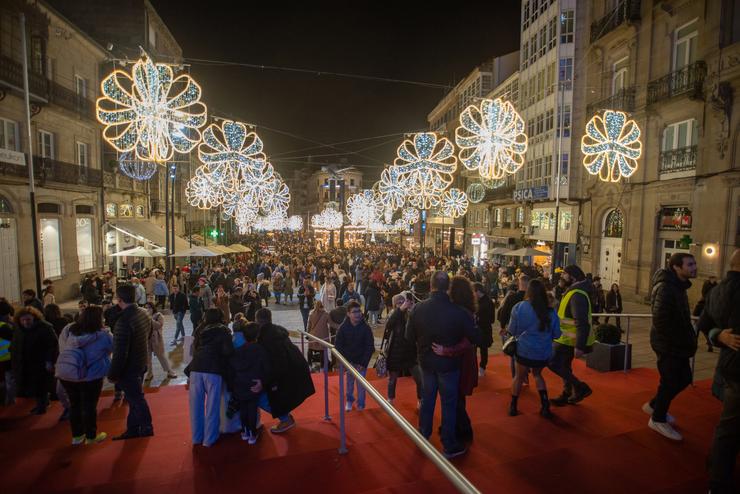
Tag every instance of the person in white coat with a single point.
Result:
(329, 294)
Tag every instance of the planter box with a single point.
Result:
(607, 358)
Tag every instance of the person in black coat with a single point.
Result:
(179, 305)
(249, 365)
(400, 353)
(30, 298)
(504, 312)
(128, 365)
(614, 304)
(672, 338)
(33, 352)
(485, 317)
(372, 302)
(289, 382)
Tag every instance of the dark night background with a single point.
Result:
(408, 41)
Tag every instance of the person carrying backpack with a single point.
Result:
(84, 359)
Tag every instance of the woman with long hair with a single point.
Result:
(535, 325)
(53, 315)
(401, 354)
(318, 326)
(156, 343)
(34, 351)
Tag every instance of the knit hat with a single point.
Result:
(575, 272)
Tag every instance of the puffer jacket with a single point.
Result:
(212, 348)
(130, 336)
(722, 311)
(400, 353)
(97, 347)
(672, 332)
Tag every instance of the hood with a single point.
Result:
(669, 276)
(74, 341)
(207, 335)
(585, 284)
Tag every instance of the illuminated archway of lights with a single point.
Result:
(150, 112)
(364, 208)
(491, 138)
(454, 203)
(136, 168)
(425, 165)
(476, 192)
(392, 188)
(611, 146)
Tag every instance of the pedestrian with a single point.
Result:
(278, 285)
(306, 297)
(318, 326)
(33, 353)
(179, 305)
(29, 298)
(84, 360)
(195, 305)
(484, 319)
(212, 348)
(49, 297)
(53, 315)
(535, 325)
(599, 299)
(156, 343)
(614, 304)
(373, 302)
(356, 343)
(249, 365)
(672, 338)
(400, 353)
(160, 290)
(129, 362)
(140, 292)
(206, 294)
(236, 303)
(707, 287)
(328, 294)
(720, 320)
(504, 312)
(221, 301)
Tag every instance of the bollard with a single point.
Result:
(326, 385)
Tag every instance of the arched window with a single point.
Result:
(614, 224)
(5, 207)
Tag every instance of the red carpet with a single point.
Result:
(601, 446)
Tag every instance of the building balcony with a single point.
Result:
(623, 100)
(503, 192)
(625, 11)
(688, 80)
(47, 170)
(678, 160)
(70, 100)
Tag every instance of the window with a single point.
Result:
(5, 207)
(49, 207)
(85, 244)
(507, 218)
(543, 41)
(486, 217)
(566, 121)
(567, 21)
(525, 54)
(83, 209)
(549, 119)
(9, 135)
(532, 90)
(82, 154)
(552, 33)
(564, 160)
(351, 182)
(111, 210)
(684, 52)
(37, 55)
(152, 36)
(519, 216)
(566, 219)
(680, 135)
(540, 124)
(51, 247)
(532, 49)
(566, 72)
(525, 16)
(140, 211)
(540, 85)
(614, 224)
(46, 144)
(619, 75)
(81, 86)
(550, 80)
(497, 217)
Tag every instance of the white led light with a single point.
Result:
(425, 165)
(611, 146)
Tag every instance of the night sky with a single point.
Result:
(419, 43)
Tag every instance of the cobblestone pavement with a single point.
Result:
(289, 316)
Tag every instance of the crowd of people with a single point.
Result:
(435, 317)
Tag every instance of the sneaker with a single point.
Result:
(665, 429)
(348, 406)
(481, 372)
(246, 435)
(560, 401)
(453, 454)
(391, 400)
(253, 437)
(97, 439)
(283, 426)
(171, 375)
(360, 408)
(77, 440)
(582, 391)
(649, 410)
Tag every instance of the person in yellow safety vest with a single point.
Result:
(6, 337)
(577, 338)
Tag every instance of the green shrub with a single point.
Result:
(608, 334)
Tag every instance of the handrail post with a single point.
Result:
(342, 431)
(627, 344)
(326, 384)
(303, 347)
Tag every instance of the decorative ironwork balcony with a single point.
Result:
(70, 100)
(623, 100)
(48, 170)
(678, 160)
(625, 11)
(688, 80)
(11, 73)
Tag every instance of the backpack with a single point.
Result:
(72, 364)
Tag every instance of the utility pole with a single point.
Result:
(558, 164)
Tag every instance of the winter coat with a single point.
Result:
(318, 326)
(212, 348)
(178, 302)
(532, 343)
(236, 304)
(289, 380)
(400, 353)
(248, 363)
(156, 336)
(97, 347)
(195, 304)
(722, 311)
(130, 343)
(504, 313)
(278, 283)
(485, 317)
(30, 351)
(353, 295)
(356, 343)
(160, 288)
(140, 294)
(613, 302)
(372, 298)
(306, 297)
(672, 332)
(206, 296)
(222, 303)
(329, 296)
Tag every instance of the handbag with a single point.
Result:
(381, 365)
(509, 347)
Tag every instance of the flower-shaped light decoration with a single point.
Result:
(490, 183)
(491, 138)
(364, 208)
(245, 216)
(611, 146)
(136, 168)
(392, 188)
(454, 203)
(150, 112)
(410, 215)
(476, 192)
(274, 221)
(401, 226)
(295, 223)
(426, 164)
(328, 219)
(200, 192)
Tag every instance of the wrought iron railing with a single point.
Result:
(11, 72)
(678, 160)
(689, 79)
(70, 100)
(48, 170)
(623, 99)
(626, 10)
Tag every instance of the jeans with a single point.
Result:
(195, 321)
(277, 297)
(349, 392)
(205, 407)
(675, 375)
(264, 403)
(161, 299)
(618, 319)
(139, 417)
(374, 315)
(393, 377)
(463, 426)
(180, 327)
(304, 314)
(726, 444)
(448, 385)
(83, 404)
(561, 363)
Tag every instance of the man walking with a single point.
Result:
(721, 319)
(179, 305)
(672, 338)
(128, 365)
(306, 296)
(577, 338)
(438, 320)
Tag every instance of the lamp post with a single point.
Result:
(558, 164)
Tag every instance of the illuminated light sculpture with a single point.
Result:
(274, 221)
(476, 192)
(392, 188)
(328, 219)
(136, 168)
(426, 164)
(491, 138)
(150, 112)
(364, 208)
(454, 203)
(490, 183)
(295, 223)
(200, 192)
(410, 215)
(611, 146)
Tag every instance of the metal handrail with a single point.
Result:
(448, 469)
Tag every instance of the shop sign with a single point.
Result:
(13, 157)
(532, 193)
(675, 219)
(475, 241)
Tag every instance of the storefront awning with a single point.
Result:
(147, 231)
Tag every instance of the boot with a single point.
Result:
(513, 412)
(562, 400)
(545, 408)
(582, 391)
